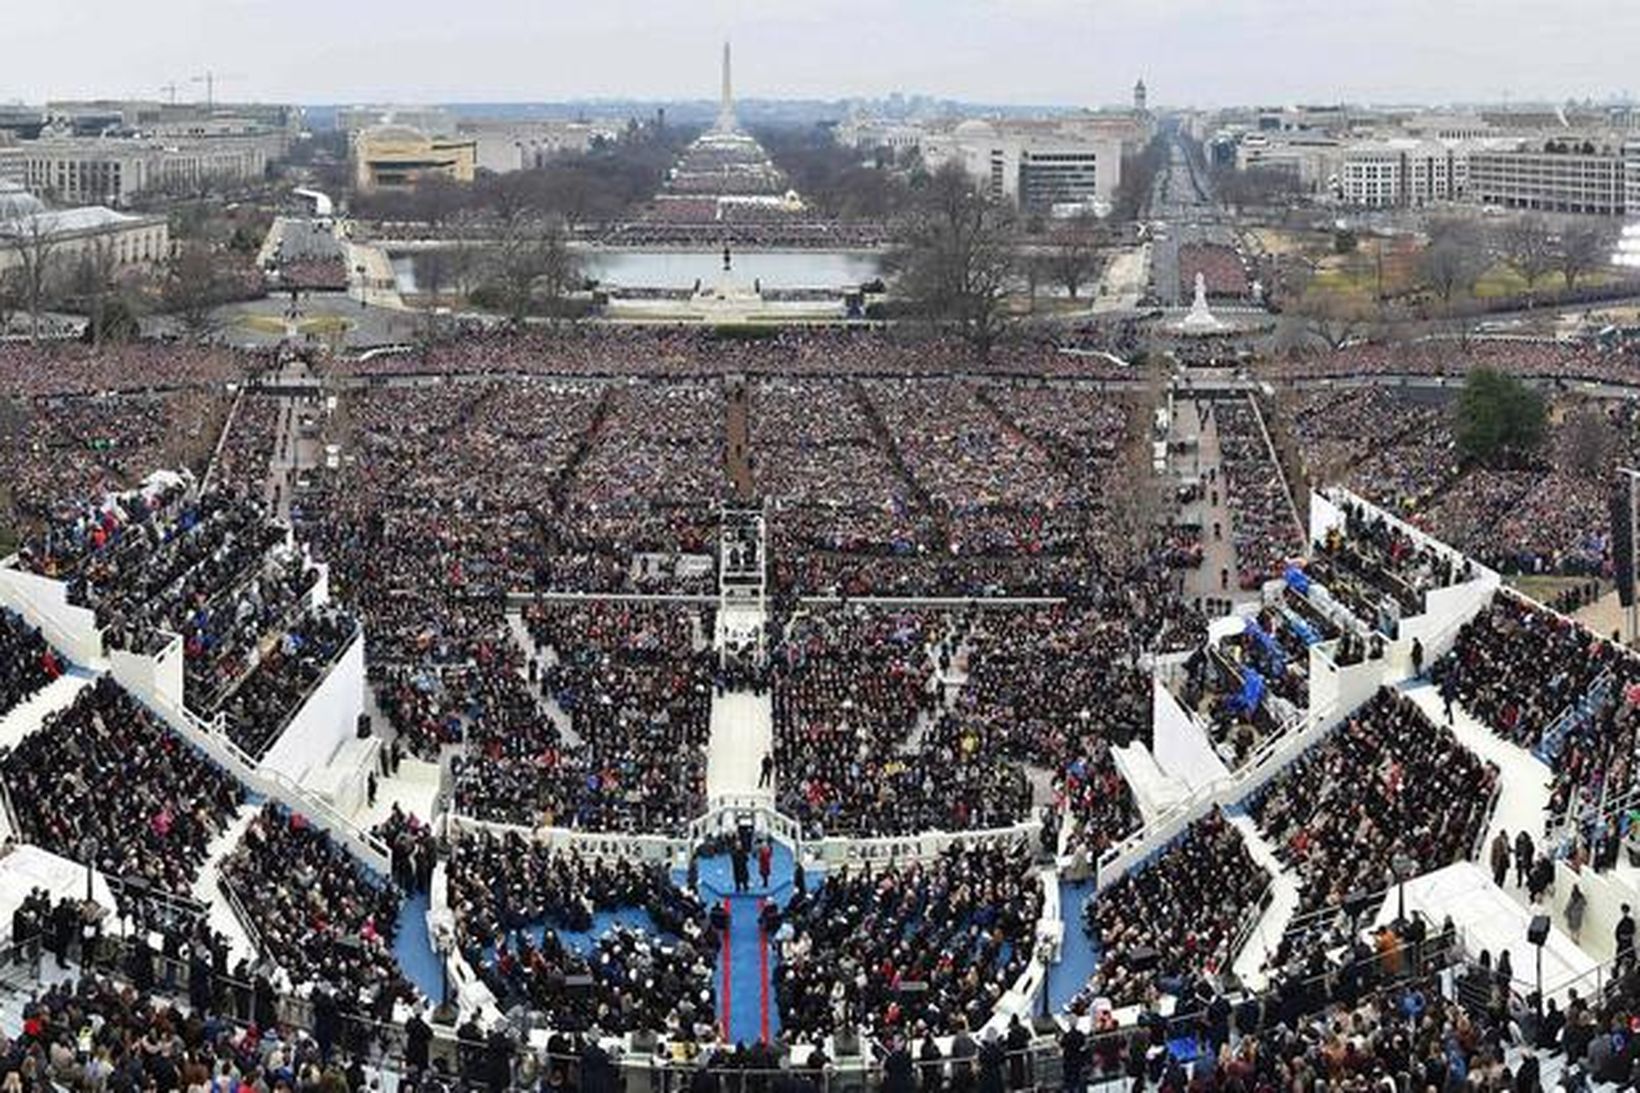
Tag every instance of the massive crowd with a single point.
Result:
(27, 663)
(886, 720)
(1526, 672)
(924, 945)
(1221, 268)
(526, 918)
(1175, 921)
(1516, 668)
(103, 777)
(1263, 521)
(1386, 788)
(1544, 514)
(57, 449)
(859, 747)
(323, 919)
(286, 675)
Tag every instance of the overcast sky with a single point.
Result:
(1073, 52)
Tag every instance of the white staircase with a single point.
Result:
(1272, 923)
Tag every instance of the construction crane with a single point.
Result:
(170, 90)
(210, 80)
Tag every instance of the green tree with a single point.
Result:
(1500, 418)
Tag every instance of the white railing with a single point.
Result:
(212, 738)
(606, 845)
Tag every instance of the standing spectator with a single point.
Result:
(1500, 857)
(1625, 938)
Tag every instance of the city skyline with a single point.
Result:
(1003, 52)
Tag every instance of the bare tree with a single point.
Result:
(1592, 441)
(93, 282)
(955, 258)
(37, 261)
(1451, 268)
(191, 292)
(532, 261)
(1582, 248)
(1527, 246)
(1334, 323)
(464, 259)
(12, 296)
(1072, 256)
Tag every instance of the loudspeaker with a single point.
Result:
(1538, 931)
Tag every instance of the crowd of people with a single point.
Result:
(268, 697)
(931, 944)
(1175, 921)
(1391, 447)
(53, 450)
(1516, 668)
(1385, 791)
(857, 747)
(29, 370)
(103, 778)
(27, 663)
(1058, 688)
(1539, 514)
(318, 915)
(1538, 359)
(525, 919)
(1522, 671)
(1264, 524)
(1222, 270)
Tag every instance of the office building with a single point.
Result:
(391, 157)
(113, 171)
(126, 241)
(1588, 181)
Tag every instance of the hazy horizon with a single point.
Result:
(1003, 52)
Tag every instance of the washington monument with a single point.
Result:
(726, 107)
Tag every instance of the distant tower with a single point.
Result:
(1139, 97)
(726, 108)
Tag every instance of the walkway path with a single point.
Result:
(747, 1008)
(207, 891)
(739, 442)
(1272, 924)
(1078, 958)
(1218, 552)
(742, 734)
(25, 718)
(1523, 801)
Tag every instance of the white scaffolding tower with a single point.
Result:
(742, 586)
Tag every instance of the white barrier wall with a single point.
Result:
(1345, 688)
(1182, 748)
(326, 721)
(158, 678)
(44, 603)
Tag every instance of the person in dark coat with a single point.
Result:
(1073, 1048)
(992, 1056)
(931, 1064)
(898, 1074)
(418, 1036)
(1019, 1047)
(1523, 858)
